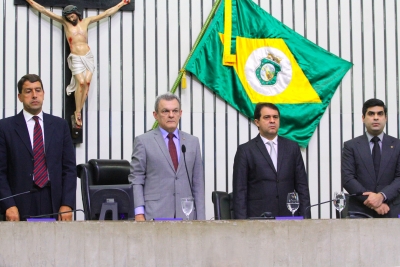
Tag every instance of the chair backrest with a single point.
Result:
(101, 172)
(108, 172)
(223, 208)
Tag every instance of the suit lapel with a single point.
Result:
(261, 146)
(281, 152)
(161, 143)
(365, 153)
(387, 151)
(22, 131)
(48, 130)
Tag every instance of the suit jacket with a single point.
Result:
(16, 162)
(156, 184)
(358, 173)
(258, 187)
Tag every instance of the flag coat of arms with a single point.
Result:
(246, 56)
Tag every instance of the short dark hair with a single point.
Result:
(32, 78)
(71, 9)
(259, 106)
(373, 102)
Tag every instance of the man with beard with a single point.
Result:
(80, 61)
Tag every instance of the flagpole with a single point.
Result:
(199, 37)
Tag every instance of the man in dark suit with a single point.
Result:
(36, 153)
(266, 169)
(371, 164)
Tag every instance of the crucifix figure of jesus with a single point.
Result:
(81, 60)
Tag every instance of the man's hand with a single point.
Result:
(65, 216)
(382, 209)
(126, 2)
(374, 200)
(12, 214)
(140, 218)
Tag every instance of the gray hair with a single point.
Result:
(167, 96)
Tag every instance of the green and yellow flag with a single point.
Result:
(246, 56)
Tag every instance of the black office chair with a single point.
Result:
(348, 214)
(223, 205)
(101, 172)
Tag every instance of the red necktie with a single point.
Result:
(172, 150)
(40, 176)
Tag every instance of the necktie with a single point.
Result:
(376, 154)
(40, 176)
(172, 150)
(272, 153)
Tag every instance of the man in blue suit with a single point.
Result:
(37, 155)
(267, 168)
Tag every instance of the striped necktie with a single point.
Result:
(40, 176)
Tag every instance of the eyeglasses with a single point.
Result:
(166, 112)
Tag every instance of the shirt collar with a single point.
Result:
(28, 116)
(370, 136)
(265, 140)
(165, 133)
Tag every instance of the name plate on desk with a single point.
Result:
(289, 218)
(41, 220)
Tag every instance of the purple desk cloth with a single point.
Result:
(290, 218)
(41, 220)
(167, 219)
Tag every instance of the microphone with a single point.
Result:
(184, 159)
(33, 190)
(318, 204)
(57, 213)
(187, 172)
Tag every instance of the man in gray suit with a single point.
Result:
(371, 164)
(267, 168)
(159, 173)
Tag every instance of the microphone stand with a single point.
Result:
(307, 208)
(23, 193)
(349, 195)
